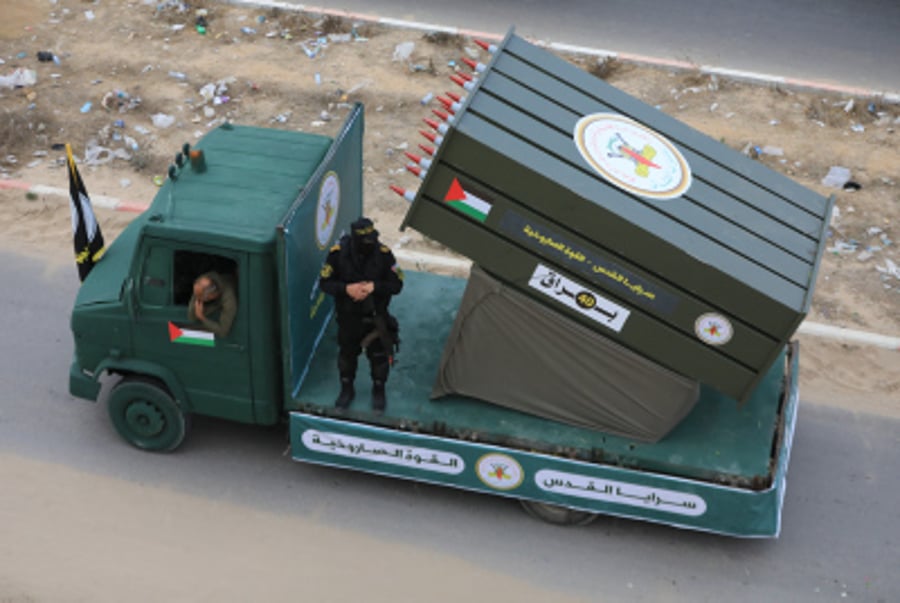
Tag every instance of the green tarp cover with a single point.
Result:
(509, 349)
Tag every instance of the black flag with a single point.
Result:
(85, 230)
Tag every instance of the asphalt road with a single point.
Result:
(855, 44)
(840, 540)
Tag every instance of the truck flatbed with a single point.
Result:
(722, 445)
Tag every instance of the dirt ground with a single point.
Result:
(124, 59)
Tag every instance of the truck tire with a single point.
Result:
(556, 514)
(146, 415)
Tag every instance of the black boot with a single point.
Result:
(379, 401)
(347, 394)
(347, 371)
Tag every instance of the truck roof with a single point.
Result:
(252, 177)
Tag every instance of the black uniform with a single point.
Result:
(358, 258)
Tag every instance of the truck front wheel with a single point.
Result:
(146, 415)
(557, 514)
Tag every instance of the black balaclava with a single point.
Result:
(365, 237)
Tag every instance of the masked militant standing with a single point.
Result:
(362, 276)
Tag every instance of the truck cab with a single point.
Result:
(224, 208)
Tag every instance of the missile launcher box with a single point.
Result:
(623, 219)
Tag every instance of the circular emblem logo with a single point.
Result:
(713, 328)
(327, 210)
(586, 300)
(499, 471)
(632, 156)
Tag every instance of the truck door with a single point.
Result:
(213, 370)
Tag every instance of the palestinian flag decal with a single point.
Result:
(190, 336)
(467, 203)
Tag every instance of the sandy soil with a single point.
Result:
(131, 47)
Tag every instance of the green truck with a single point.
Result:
(265, 206)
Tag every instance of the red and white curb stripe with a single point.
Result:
(96, 200)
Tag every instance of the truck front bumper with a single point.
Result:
(82, 385)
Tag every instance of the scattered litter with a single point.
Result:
(44, 56)
(774, 151)
(849, 106)
(713, 107)
(158, 180)
(178, 75)
(124, 182)
(249, 31)
(858, 128)
(852, 186)
(209, 112)
(161, 120)
(339, 38)
(94, 154)
(864, 255)
(427, 98)
(89, 15)
(309, 52)
(119, 99)
(86, 107)
(317, 123)
(836, 177)
(873, 230)
(19, 78)
(403, 51)
(774, 122)
(325, 116)
(318, 78)
(844, 247)
(889, 268)
(208, 92)
(141, 130)
(35, 163)
(178, 27)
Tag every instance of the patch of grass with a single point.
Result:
(333, 25)
(19, 129)
(605, 67)
(443, 38)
